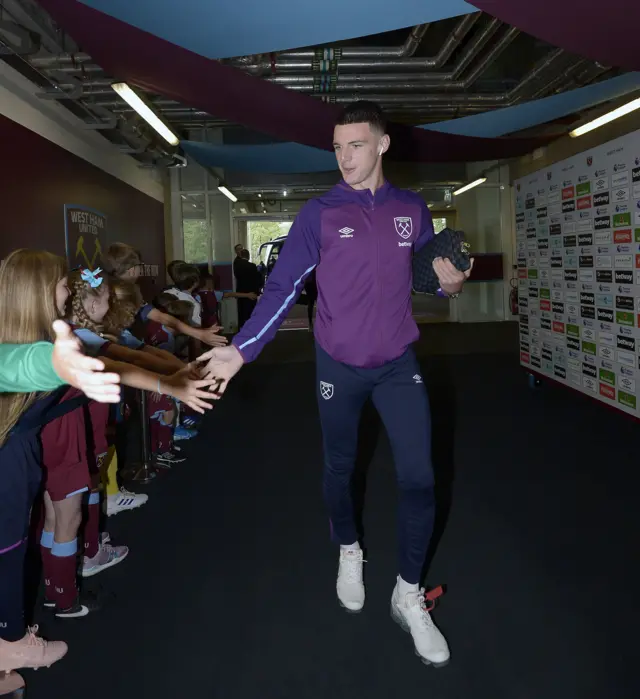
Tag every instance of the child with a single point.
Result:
(164, 429)
(32, 295)
(123, 262)
(89, 303)
(210, 299)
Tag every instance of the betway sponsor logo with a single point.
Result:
(589, 370)
(635, 174)
(568, 206)
(626, 343)
(601, 222)
(585, 239)
(624, 277)
(572, 343)
(601, 199)
(605, 314)
(587, 299)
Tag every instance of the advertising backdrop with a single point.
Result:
(578, 252)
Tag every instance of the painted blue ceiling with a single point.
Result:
(296, 158)
(242, 27)
(522, 116)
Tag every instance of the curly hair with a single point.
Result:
(79, 292)
(125, 302)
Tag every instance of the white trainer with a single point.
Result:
(350, 585)
(122, 501)
(412, 614)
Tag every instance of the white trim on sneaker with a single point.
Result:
(412, 615)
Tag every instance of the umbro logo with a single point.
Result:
(417, 378)
(346, 232)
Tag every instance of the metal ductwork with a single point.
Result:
(331, 60)
(487, 100)
(405, 50)
(412, 82)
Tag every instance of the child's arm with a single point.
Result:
(178, 385)
(207, 335)
(165, 356)
(142, 359)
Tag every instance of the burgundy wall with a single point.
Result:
(39, 178)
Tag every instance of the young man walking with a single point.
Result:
(360, 238)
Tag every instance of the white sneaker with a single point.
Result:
(349, 585)
(413, 616)
(124, 500)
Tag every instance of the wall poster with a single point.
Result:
(578, 254)
(85, 234)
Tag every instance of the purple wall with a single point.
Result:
(39, 178)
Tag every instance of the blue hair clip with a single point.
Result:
(91, 277)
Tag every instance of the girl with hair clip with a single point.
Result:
(89, 304)
(33, 293)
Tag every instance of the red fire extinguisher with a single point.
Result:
(513, 297)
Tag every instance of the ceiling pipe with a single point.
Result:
(284, 63)
(488, 100)
(407, 82)
(59, 60)
(405, 50)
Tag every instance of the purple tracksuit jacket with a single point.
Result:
(362, 246)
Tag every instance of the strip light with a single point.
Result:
(130, 97)
(469, 186)
(227, 193)
(606, 118)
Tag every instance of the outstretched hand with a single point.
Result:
(450, 277)
(80, 371)
(211, 337)
(223, 363)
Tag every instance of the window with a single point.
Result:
(197, 239)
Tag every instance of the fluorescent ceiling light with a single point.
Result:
(606, 118)
(475, 183)
(129, 96)
(284, 192)
(227, 193)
